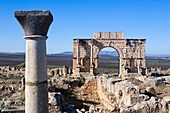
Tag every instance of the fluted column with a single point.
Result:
(35, 25)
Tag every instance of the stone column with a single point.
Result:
(61, 71)
(57, 71)
(77, 51)
(70, 71)
(23, 83)
(91, 58)
(78, 59)
(121, 68)
(35, 25)
(138, 66)
(65, 70)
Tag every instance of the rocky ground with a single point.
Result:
(80, 94)
(11, 90)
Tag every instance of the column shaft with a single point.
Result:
(91, 59)
(120, 66)
(36, 90)
(77, 53)
(78, 59)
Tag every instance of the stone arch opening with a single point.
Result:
(108, 61)
(114, 44)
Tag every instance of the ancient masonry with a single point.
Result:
(131, 53)
(35, 25)
(65, 70)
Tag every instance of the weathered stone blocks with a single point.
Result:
(131, 53)
(35, 22)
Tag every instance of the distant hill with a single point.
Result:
(110, 53)
(158, 55)
(70, 53)
(114, 53)
(66, 53)
(66, 58)
(12, 55)
(11, 59)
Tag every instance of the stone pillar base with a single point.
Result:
(34, 95)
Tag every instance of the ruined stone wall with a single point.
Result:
(81, 58)
(126, 97)
(135, 53)
(114, 40)
(65, 70)
(131, 52)
(115, 93)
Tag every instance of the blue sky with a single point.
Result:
(81, 18)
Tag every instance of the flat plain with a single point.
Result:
(107, 63)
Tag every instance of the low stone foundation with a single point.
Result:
(125, 97)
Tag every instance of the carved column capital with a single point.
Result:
(35, 22)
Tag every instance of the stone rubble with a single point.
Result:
(127, 97)
(116, 95)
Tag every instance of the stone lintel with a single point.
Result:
(34, 22)
(108, 39)
(81, 39)
(109, 35)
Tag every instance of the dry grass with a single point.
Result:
(162, 90)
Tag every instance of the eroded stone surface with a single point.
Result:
(126, 97)
(131, 52)
(35, 22)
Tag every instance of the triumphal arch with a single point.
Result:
(131, 53)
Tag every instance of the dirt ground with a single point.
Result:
(82, 97)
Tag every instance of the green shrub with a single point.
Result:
(106, 72)
(22, 65)
(82, 82)
(2, 104)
